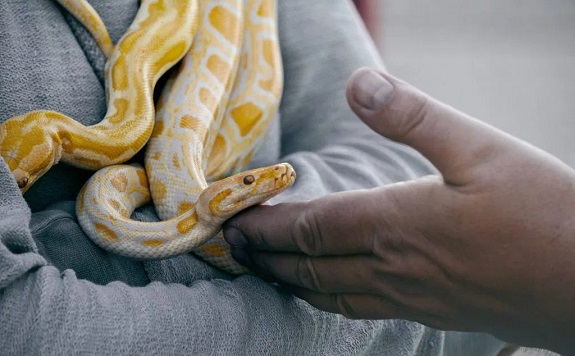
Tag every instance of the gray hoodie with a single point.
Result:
(60, 294)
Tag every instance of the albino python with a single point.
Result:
(197, 130)
(158, 38)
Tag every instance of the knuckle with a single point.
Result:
(308, 275)
(307, 233)
(258, 239)
(438, 322)
(345, 307)
(414, 117)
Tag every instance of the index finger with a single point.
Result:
(338, 224)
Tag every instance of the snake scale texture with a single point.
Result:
(212, 114)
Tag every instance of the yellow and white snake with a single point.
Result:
(212, 114)
(158, 38)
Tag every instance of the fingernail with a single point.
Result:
(371, 90)
(235, 237)
(241, 256)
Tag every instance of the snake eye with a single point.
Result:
(249, 180)
(22, 182)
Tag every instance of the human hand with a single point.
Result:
(487, 246)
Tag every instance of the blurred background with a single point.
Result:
(510, 63)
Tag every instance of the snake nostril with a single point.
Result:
(22, 182)
(249, 180)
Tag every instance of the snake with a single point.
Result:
(211, 115)
(85, 13)
(160, 35)
(256, 95)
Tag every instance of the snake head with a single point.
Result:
(28, 148)
(229, 196)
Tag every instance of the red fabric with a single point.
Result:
(368, 10)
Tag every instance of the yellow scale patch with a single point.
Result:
(142, 178)
(214, 204)
(214, 250)
(121, 106)
(156, 156)
(159, 191)
(224, 22)
(187, 224)
(185, 206)
(218, 67)
(189, 122)
(106, 233)
(158, 128)
(153, 243)
(176, 161)
(120, 182)
(128, 42)
(80, 201)
(115, 204)
(208, 99)
(119, 74)
(265, 176)
(88, 162)
(217, 154)
(268, 53)
(265, 9)
(174, 53)
(35, 140)
(246, 116)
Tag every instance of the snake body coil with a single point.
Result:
(158, 38)
(212, 114)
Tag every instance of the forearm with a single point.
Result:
(44, 310)
(52, 313)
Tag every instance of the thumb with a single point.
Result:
(453, 141)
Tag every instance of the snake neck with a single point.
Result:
(207, 215)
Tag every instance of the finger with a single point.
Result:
(342, 223)
(350, 274)
(345, 223)
(370, 306)
(352, 306)
(451, 140)
(358, 306)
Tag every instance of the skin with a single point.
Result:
(487, 245)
